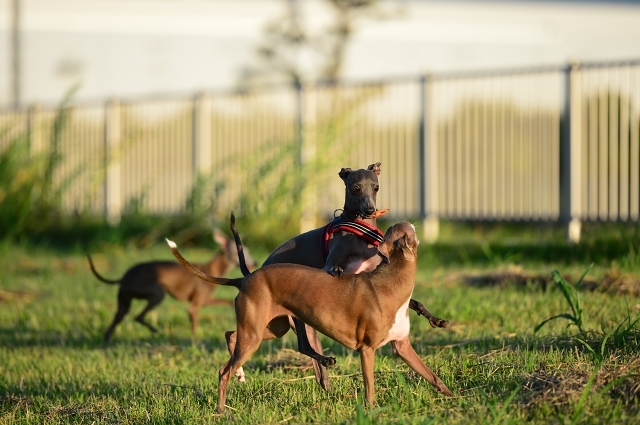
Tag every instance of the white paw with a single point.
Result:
(240, 374)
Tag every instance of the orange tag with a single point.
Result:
(380, 213)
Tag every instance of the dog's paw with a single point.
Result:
(328, 361)
(438, 323)
(336, 271)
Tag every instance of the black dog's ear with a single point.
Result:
(344, 173)
(375, 168)
(383, 251)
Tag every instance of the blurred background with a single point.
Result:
(508, 133)
(167, 114)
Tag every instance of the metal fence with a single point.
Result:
(549, 144)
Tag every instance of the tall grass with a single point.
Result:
(276, 180)
(29, 200)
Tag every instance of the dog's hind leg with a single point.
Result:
(124, 304)
(193, 317)
(153, 301)
(275, 329)
(230, 336)
(247, 344)
(403, 348)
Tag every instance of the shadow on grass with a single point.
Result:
(68, 401)
(25, 337)
(475, 254)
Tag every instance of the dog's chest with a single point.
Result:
(361, 265)
(401, 325)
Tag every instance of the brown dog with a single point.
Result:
(362, 312)
(337, 250)
(152, 279)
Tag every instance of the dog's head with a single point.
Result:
(228, 248)
(361, 189)
(400, 237)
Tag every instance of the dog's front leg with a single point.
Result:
(434, 321)
(367, 356)
(403, 348)
(340, 249)
(304, 345)
(309, 344)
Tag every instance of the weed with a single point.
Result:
(572, 295)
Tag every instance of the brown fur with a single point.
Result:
(152, 279)
(347, 253)
(358, 311)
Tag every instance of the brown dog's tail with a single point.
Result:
(243, 264)
(96, 274)
(202, 275)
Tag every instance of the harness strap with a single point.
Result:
(370, 233)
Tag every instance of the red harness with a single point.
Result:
(370, 233)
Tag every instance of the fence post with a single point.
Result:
(571, 155)
(201, 160)
(307, 123)
(112, 188)
(428, 161)
(34, 129)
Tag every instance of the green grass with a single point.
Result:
(55, 368)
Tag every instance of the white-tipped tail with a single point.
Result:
(172, 244)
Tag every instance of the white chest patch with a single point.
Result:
(400, 327)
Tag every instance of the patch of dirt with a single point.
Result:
(289, 359)
(13, 296)
(15, 400)
(563, 387)
(513, 276)
(58, 412)
(613, 283)
(67, 266)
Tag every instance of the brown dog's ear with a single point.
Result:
(407, 246)
(375, 168)
(220, 238)
(383, 251)
(344, 173)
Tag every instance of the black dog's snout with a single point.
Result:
(369, 210)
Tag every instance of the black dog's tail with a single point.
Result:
(243, 264)
(95, 272)
(86, 252)
(202, 275)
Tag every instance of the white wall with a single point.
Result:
(125, 48)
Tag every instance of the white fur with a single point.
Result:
(172, 244)
(401, 325)
(240, 374)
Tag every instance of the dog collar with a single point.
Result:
(370, 233)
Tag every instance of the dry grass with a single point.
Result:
(562, 385)
(614, 282)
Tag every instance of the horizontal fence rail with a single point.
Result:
(547, 144)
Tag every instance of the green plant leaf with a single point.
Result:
(559, 316)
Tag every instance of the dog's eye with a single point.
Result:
(356, 189)
(376, 188)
